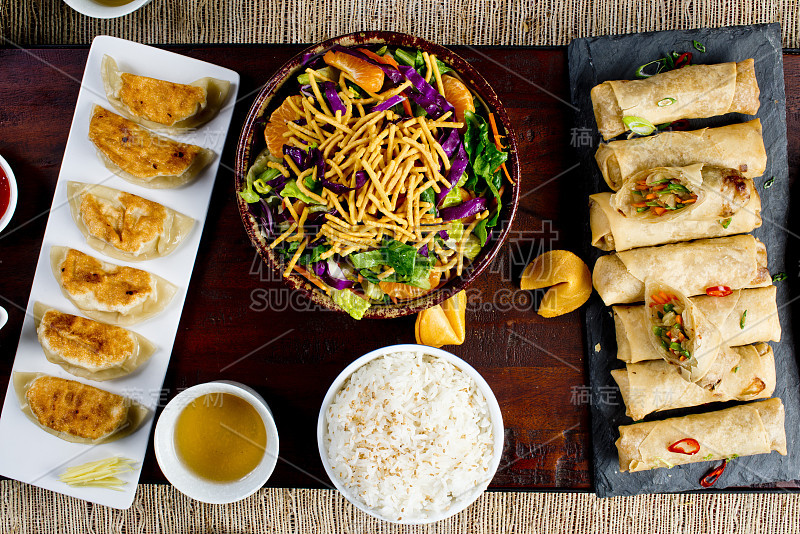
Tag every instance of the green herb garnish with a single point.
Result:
(638, 125)
(780, 277)
(664, 102)
(769, 183)
(700, 47)
(742, 319)
(726, 222)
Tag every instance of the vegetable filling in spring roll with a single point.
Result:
(711, 266)
(680, 333)
(656, 385)
(738, 146)
(743, 317)
(754, 428)
(673, 204)
(693, 92)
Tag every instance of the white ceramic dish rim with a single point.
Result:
(190, 484)
(12, 200)
(99, 11)
(496, 416)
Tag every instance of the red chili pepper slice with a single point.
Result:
(685, 446)
(712, 476)
(683, 60)
(718, 291)
(679, 125)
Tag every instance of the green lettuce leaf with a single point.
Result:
(350, 302)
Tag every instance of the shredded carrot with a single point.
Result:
(665, 296)
(659, 211)
(679, 319)
(659, 187)
(499, 145)
(311, 277)
(639, 205)
(406, 105)
(386, 60)
(651, 196)
(689, 201)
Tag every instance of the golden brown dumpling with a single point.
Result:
(124, 226)
(162, 105)
(142, 157)
(87, 348)
(77, 412)
(114, 294)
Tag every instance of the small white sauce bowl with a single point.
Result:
(12, 200)
(496, 417)
(100, 11)
(199, 488)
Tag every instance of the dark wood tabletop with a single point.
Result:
(240, 323)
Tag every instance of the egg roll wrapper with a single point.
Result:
(725, 313)
(754, 428)
(615, 225)
(656, 385)
(697, 91)
(738, 146)
(137, 414)
(736, 261)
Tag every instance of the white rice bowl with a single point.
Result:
(409, 436)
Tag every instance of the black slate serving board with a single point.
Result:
(594, 60)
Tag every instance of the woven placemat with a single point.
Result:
(449, 22)
(160, 508)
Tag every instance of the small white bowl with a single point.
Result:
(185, 480)
(12, 200)
(496, 417)
(91, 8)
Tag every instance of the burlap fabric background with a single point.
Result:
(474, 22)
(24, 508)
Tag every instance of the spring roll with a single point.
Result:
(656, 385)
(754, 428)
(693, 92)
(745, 316)
(672, 204)
(735, 262)
(738, 146)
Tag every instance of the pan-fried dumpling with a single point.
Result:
(88, 348)
(162, 105)
(110, 293)
(77, 412)
(142, 157)
(125, 226)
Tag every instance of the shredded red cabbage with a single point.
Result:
(306, 158)
(457, 168)
(306, 90)
(449, 141)
(361, 179)
(428, 98)
(424, 250)
(388, 103)
(266, 217)
(466, 209)
(333, 98)
(321, 270)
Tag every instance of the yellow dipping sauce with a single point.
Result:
(220, 437)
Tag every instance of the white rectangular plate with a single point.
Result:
(27, 453)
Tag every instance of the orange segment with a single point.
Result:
(398, 291)
(276, 127)
(366, 75)
(569, 277)
(457, 94)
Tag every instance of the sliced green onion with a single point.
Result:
(669, 307)
(661, 181)
(700, 47)
(769, 183)
(638, 125)
(736, 369)
(678, 187)
(676, 346)
(643, 208)
(640, 72)
(382, 50)
(726, 222)
(780, 277)
(742, 320)
(664, 102)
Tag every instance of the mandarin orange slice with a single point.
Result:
(457, 94)
(366, 75)
(276, 127)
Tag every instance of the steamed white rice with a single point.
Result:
(409, 434)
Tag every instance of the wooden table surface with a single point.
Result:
(239, 322)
